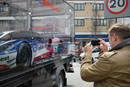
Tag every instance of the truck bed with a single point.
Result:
(20, 75)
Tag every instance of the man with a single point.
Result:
(113, 67)
(61, 47)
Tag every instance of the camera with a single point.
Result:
(95, 42)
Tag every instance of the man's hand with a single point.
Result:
(88, 48)
(87, 55)
(103, 46)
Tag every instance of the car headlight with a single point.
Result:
(6, 46)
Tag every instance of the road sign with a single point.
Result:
(117, 8)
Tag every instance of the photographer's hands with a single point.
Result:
(88, 48)
(88, 52)
(103, 45)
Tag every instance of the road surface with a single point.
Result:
(74, 79)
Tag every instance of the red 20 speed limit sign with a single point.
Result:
(116, 6)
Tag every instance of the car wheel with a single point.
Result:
(24, 55)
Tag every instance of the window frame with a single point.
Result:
(98, 6)
(79, 22)
(101, 22)
(79, 6)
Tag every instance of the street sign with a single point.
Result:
(116, 8)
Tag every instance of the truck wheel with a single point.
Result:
(24, 55)
(61, 80)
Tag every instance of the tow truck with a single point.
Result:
(50, 19)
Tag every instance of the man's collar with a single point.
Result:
(122, 44)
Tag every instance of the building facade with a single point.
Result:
(89, 20)
(125, 20)
(11, 17)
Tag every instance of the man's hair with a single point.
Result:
(122, 30)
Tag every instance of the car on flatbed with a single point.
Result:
(21, 48)
(41, 66)
(28, 49)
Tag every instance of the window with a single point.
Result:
(94, 6)
(3, 8)
(98, 6)
(4, 22)
(79, 22)
(101, 22)
(101, 6)
(79, 6)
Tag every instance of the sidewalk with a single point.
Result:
(86, 84)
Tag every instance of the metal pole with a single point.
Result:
(95, 23)
(29, 14)
(72, 26)
(73, 29)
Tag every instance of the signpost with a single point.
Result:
(116, 8)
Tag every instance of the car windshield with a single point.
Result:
(5, 36)
(1, 34)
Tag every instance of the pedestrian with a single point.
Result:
(50, 47)
(112, 69)
(60, 47)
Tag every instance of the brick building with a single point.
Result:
(89, 20)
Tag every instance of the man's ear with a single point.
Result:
(115, 37)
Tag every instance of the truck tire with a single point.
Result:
(60, 80)
(24, 55)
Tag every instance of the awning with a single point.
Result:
(92, 36)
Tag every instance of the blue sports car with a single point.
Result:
(21, 48)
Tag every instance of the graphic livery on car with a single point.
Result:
(26, 48)
(21, 48)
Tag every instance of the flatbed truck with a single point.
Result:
(51, 73)
(53, 18)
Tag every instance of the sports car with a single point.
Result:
(21, 48)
